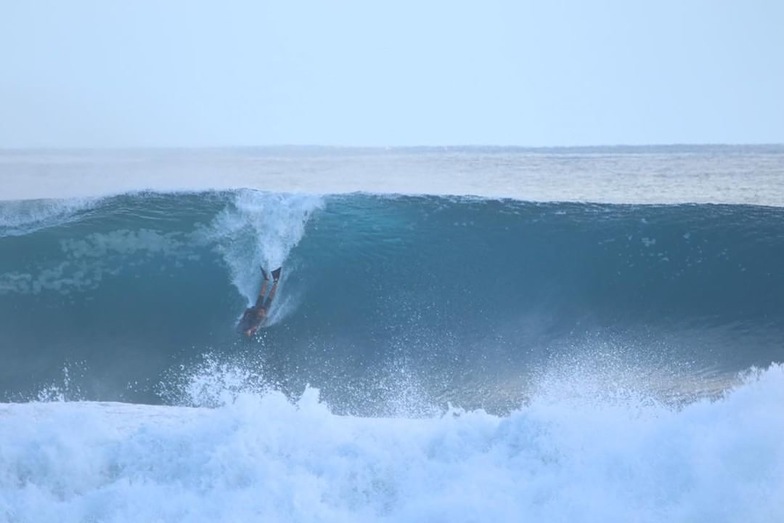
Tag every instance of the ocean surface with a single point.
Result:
(460, 334)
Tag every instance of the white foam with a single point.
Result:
(259, 229)
(263, 458)
(87, 261)
(18, 218)
(214, 380)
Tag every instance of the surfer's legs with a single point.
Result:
(275, 279)
(264, 300)
(268, 301)
(262, 293)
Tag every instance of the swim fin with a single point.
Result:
(276, 274)
(264, 273)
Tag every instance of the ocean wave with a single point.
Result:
(464, 299)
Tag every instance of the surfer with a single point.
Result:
(255, 316)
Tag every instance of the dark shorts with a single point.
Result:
(262, 304)
(249, 319)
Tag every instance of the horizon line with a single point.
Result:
(456, 147)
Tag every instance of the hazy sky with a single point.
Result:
(374, 72)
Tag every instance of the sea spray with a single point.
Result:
(259, 230)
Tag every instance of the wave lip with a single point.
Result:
(18, 218)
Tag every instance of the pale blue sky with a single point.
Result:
(109, 73)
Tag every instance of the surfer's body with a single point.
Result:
(254, 317)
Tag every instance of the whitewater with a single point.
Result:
(460, 334)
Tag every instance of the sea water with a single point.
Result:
(459, 335)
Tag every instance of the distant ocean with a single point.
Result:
(460, 334)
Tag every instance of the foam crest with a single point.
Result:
(22, 217)
(264, 457)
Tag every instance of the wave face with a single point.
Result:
(387, 303)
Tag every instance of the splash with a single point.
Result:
(259, 229)
(262, 456)
(214, 381)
